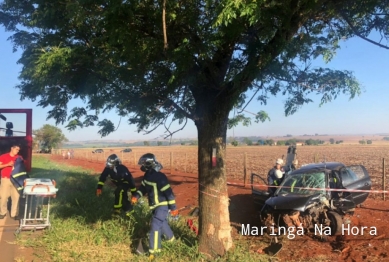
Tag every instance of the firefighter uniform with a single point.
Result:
(19, 174)
(273, 180)
(161, 199)
(123, 180)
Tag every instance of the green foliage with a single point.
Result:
(362, 142)
(332, 141)
(159, 143)
(146, 143)
(114, 57)
(49, 137)
(194, 143)
(386, 138)
(235, 143)
(311, 142)
(339, 142)
(247, 141)
(369, 142)
(83, 227)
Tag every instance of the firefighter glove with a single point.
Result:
(134, 200)
(174, 213)
(98, 192)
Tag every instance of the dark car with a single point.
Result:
(316, 195)
(98, 151)
(126, 150)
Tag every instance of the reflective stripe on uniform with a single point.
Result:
(155, 241)
(292, 186)
(19, 174)
(101, 183)
(154, 185)
(165, 187)
(133, 189)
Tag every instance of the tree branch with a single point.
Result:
(259, 88)
(178, 108)
(359, 34)
(165, 45)
(172, 133)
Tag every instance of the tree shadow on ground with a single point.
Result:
(76, 195)
(243, 211)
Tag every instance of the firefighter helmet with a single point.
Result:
(112, 161)
(148, 161)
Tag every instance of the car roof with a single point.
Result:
(316, 167)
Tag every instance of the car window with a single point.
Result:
(348, 176)
(301, 184)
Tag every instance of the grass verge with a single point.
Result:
(83, 227)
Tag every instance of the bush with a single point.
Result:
(234, 143)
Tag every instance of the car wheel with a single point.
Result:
(335, 222)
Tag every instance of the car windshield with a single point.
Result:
(301, 184)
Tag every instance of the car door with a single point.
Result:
(259, 190)
(356, 177)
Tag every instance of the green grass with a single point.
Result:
(84, 229)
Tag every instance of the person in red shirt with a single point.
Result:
(7, 189)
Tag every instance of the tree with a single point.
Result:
(235, 143)
(332, 140)
(247, 141)
(369, 142)
(146, 143)
(159, 143)
(49, 137)
(157, 63)
(362, 142)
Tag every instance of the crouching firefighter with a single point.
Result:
(123, 180)
(161, 199)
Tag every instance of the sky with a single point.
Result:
(365, 114)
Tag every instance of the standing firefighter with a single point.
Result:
(275, 176)
(161, 200)
(123, 180)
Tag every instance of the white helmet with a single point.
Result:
(279, 161)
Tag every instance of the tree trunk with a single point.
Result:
(214, 220)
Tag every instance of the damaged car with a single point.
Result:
(318, 194)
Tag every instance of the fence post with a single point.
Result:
(185, 161)
(135, 159)
(171, 162)
(383, 178)
(245, 168)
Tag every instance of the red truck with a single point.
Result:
(16, 127)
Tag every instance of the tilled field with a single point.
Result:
(361, 246)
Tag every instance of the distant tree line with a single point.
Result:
(364, 142)
(288, 142)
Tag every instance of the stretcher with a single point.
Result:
(37, 194)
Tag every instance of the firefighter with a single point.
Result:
(161, 199)
(275, 176)
(123, 180)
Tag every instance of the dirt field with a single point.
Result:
(356, 247)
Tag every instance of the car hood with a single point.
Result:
(292, 202)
